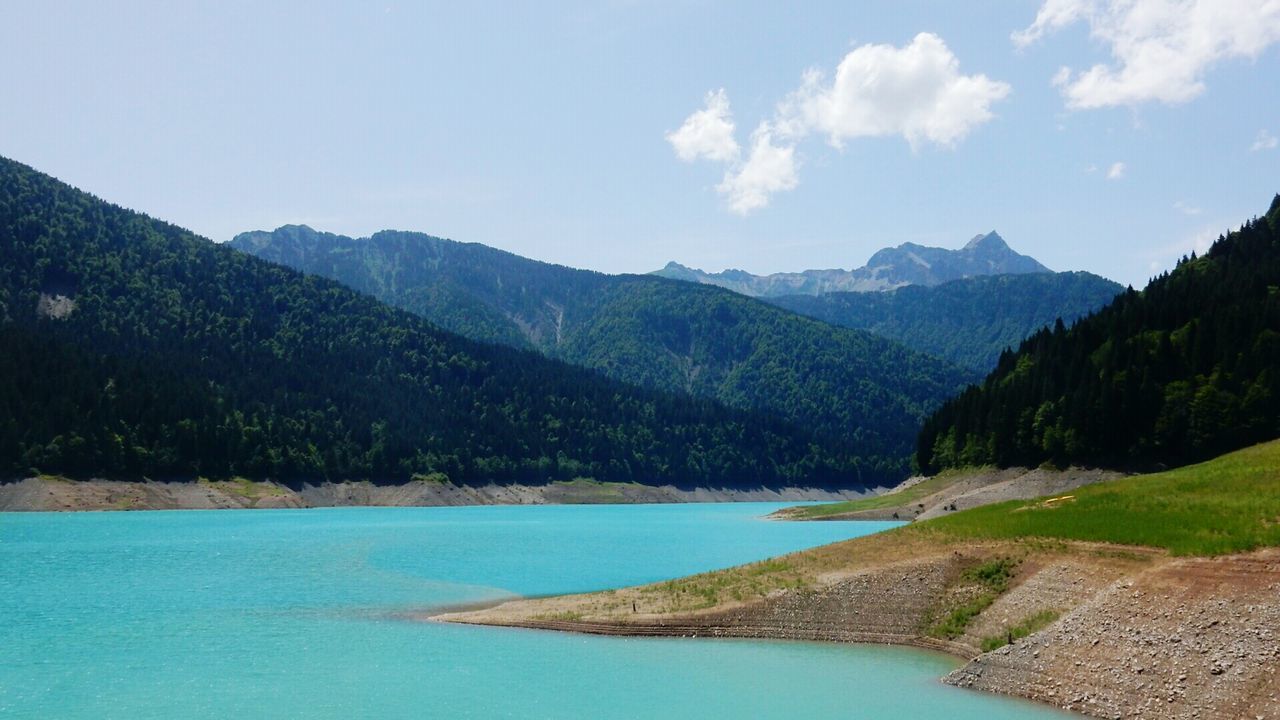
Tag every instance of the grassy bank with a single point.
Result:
(907, 496)
(1226, 505)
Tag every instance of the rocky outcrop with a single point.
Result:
(887, 269)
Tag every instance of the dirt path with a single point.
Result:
(971, 489)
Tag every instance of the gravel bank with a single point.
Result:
(46, 493)
(1138, 634)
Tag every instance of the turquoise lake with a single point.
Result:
(302, 614)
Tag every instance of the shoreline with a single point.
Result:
(1136, 632)
(52, 494)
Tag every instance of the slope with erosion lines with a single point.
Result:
(860, 393)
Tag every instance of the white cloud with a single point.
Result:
(1053, 15)
(1185, 208)
(1201, 241)
(1164, 257)
(1161, 48)
(707, 133)
(915, 91)
(769, 169)
(1264, 141)
(1116, 171)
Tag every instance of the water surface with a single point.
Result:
(300, 614)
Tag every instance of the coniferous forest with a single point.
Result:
(1184, 370)
(968, 322)
(858, 392)
(135, 348)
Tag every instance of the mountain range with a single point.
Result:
(887, 269)
(133, 348)
(857, 391)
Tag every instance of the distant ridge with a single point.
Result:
(888, 269)
(970, 321)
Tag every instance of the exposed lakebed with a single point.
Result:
(302, 614)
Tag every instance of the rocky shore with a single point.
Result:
(58, 494)
(1137, 634)
(1188, 638)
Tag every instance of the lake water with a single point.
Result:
(300, 614)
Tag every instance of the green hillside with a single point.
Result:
(1187, 369)
(1226, 505)
(132, 347)
(860, 393)
(970, 321)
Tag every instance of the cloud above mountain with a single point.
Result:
(770, 168)
(707, 133)
(915, 91)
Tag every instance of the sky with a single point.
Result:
(1111, 136)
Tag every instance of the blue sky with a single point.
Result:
(553, 130)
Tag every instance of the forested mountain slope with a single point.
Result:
(859, 392)
(1186, 369)
(131, 347)
(970, 321)
(474, 290)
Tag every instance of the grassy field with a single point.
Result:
(910, 495)
(1229, 504)
(1226, 505)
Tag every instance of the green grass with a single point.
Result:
(566, 616)
(1226, 505)
(989, 580)
(245, 488)
(912, 494)
(585, 488)
(706, 590)
(1033, 624)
